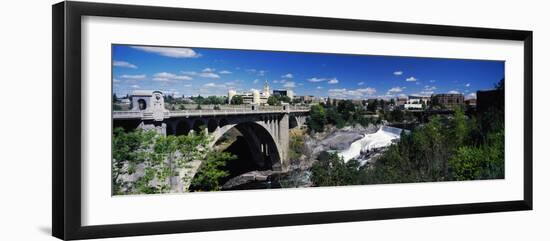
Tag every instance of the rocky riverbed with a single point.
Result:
(298, 175)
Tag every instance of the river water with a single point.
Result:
(384, 137)
(370, 142)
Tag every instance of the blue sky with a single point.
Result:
(194, 71)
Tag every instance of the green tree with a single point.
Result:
(272, 100)
(295, 146)
(460, 130)
(346, 109)
(334, 118)
(129, 150)
(159, 156)
(211, 172)
(284, 99)
(397, 115)
(317, 119)
(372, 105)
(332, 170)
(237, 100)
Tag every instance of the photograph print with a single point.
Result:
(190, 119)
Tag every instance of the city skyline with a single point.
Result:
(193, 71)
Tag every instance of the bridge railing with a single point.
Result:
(127, 114)
(225, 111)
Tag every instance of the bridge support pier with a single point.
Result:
(283, 139)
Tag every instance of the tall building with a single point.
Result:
(252, 97)
(423, 99)
(448, 101)
(266, 93)
(288, 93)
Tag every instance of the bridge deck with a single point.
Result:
(209, 112)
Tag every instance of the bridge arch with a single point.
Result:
(183, 127)
(223, 122)
(198, 124)
(212, 125)
(263, 146)
(293, 122)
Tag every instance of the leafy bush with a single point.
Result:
(211, 172)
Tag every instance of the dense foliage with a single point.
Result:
(237, 100)
(278, 99)
(210, 100)
(441, 150)
(147, 162)
(211, 172)
(331, 170)
(446, 148)
(296, 146)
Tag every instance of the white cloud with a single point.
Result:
(115, 80)
(133, 77)
(315, 79)
(411, 79)
(169, 77)
(208, 70)
(432, 81)
(288, 76)
(189, 72)
(209, 89)
(209, 75)
(468, 85)
(319, 87)
(289, 84)
(124, 64)
(333, 81)
(256, 81)
(170, 52)
(399, 72)
(367, 90)
(135, 86)
(454, 92)
(361, 83)
(225, 72)
(280, 81)
(187, 85)
(338, 93)
(214, 85)
(351, 94)
(395, 90)
(232, 83)
(258, 72)
(204, 74)
(472, 95)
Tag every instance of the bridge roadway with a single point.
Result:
(223, 111)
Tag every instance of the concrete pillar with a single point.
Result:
(278, 128)
(283, 141)
(271, 124)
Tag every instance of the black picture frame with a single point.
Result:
(66, 127)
